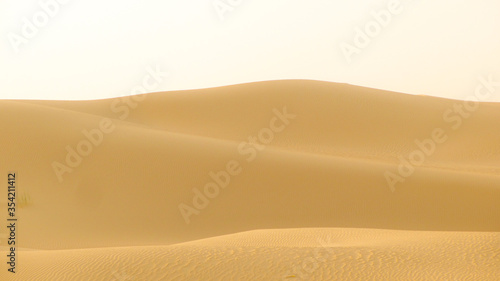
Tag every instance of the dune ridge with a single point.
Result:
(285, 254)
(323, 173)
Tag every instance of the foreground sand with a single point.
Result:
(291, 254)
(117, 212)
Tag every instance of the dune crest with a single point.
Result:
(138, 181)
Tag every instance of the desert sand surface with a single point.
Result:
(306, 195)
(291, 254)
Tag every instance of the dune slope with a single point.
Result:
(146, 176)
(288, 254)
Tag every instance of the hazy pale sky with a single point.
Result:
(99, 49)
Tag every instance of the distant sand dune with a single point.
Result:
(325, 169)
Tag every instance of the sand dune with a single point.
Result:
(321, 157)
(291, 254)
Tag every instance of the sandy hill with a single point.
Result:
(173, 167)
(284, 255)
